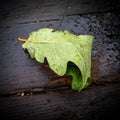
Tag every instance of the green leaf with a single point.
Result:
(61, 48)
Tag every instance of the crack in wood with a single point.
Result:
(51, 89)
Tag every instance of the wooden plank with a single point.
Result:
(27, 11)
(19, 18)
(98, 103)
(18, 71)
(30, 90)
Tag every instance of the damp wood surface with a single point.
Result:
(30, 89)
(98, 103)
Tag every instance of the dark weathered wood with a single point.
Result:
(18, 71)
(30, 90)
(30, 11)
(96, 103)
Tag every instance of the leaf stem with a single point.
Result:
(35, 41)
(26, 40)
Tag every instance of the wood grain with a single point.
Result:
(98, 103)
(19, 71)
(30, 90)
(30, 11)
